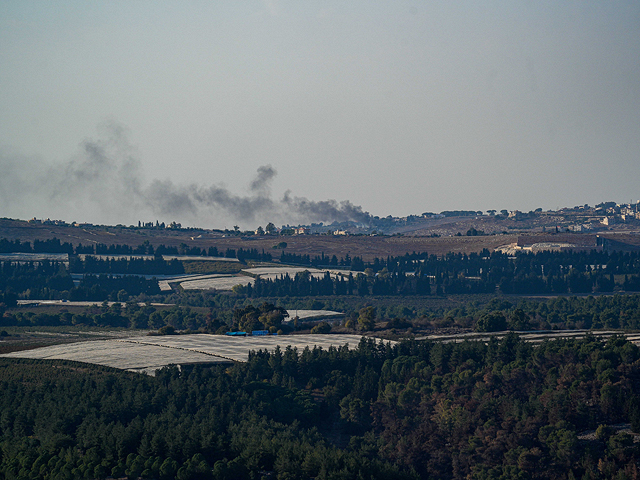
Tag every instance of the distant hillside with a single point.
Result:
(434, 235)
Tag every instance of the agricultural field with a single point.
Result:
(124, 355)
(267, 272)
(215, 282)
(529, 336)
(22, 339)
(227, 282)
(34, 257)
(164, 282)
(145, 354)
(209, 267)
(273, 273)
(83, 257)
(312, 314)
(69, 303)
(195, 258)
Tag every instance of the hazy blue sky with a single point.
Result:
(112, 111)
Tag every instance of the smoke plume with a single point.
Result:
(103, 183)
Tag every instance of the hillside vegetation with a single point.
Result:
(418, 410)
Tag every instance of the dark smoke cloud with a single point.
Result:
(261, 183)
(328, 209)
(103, 183)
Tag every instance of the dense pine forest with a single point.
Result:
(415, 410)
(51, 280)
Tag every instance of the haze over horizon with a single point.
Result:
(244, 113)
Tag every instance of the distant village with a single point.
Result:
(580, 218)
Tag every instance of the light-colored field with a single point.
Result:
(311, 314)
(66, 303)
(343, 273)
(532, 336)
(217, 282)
(84, 256)
(227, 282)
(182, 258)
(273, 273)
(275, 276)
(513, 248)
(34, 257)
(149, 353)
(261, 271)
(193, 258)
(238, 348)
(163, 282)
(124, 355)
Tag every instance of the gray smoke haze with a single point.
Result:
(103, 183)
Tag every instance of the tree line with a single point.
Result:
(125, 266)
(305, 284)
(54, 245)
(353, 263)
(46, 280)
(545, 272)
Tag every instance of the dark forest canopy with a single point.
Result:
(51, 280)
(222, 313)
(417, 410)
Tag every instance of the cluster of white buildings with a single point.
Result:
(622, 213)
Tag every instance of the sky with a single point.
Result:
(216, 114)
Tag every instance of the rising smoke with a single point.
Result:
(104, 184)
